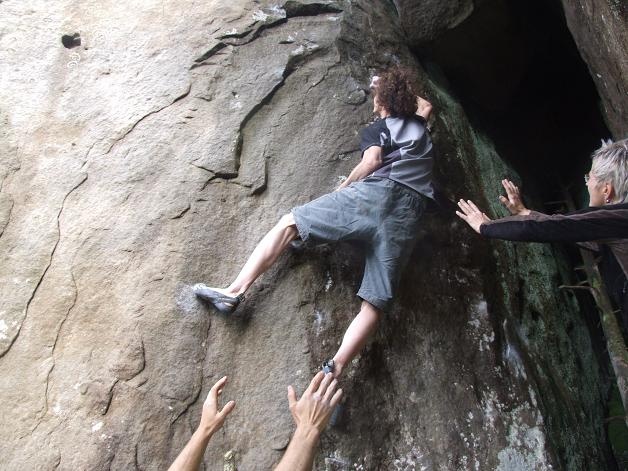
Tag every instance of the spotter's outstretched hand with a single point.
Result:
(212, 418)
(513, 201)
(471, 214)
(315, 407)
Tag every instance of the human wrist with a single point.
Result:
(307, 433)
(206, 431)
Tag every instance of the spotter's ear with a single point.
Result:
(609, 192)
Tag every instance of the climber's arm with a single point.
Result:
(371, 161)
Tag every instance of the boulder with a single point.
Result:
(152, 151)
(600, 30)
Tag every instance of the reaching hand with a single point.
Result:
(212, 418)
(311, 414)
(423, 107)
(471, 214)
(513, 203)
(315, 407)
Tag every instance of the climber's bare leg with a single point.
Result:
(360, 330)
(264, 255)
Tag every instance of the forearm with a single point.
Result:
(300, 453)
(363, 169)
(191, 456)
(581, 226)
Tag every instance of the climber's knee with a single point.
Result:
(287, 221)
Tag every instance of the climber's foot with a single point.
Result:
(221, 299)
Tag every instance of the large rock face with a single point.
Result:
(154, 155)
(600, 29)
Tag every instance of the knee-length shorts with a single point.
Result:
(379, 212)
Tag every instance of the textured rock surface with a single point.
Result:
(155, 155)
(425, 20)
(600, 29)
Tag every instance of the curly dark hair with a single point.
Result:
(395, 91)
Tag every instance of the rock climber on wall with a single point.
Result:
(379, 204)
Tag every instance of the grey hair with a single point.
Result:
(610, 165)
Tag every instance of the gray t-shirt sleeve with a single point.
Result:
(376, 134)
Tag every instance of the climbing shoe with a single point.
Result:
(221, 302)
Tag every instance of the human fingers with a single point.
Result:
(473, 206)
(506, 188)
(292, 404)
(229, 406)
(505, 184)
(324, 384)
(468, 207)
(212, 396)
(509, 203)
(217, 387)
(462, 204)
(316, 381)
(462, 216)
(512, 189)
(336, 398)
(331, 389)
(292, 396)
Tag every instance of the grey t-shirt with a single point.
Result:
(407, 151)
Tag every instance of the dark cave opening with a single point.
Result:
(518, 73)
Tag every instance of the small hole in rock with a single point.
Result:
(71, 40)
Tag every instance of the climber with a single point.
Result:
(603, 225)
(380, 203)
(311, 415)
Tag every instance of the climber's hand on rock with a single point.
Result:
(374, 82)
(513, 201)
(212, 418)
(471, 214)
(313, 411)
(423, 107)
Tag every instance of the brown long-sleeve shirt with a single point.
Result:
(604, 229)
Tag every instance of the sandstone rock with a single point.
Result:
(155, 155)
(423, 21)
(600, 29)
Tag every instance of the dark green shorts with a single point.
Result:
(380, 212)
